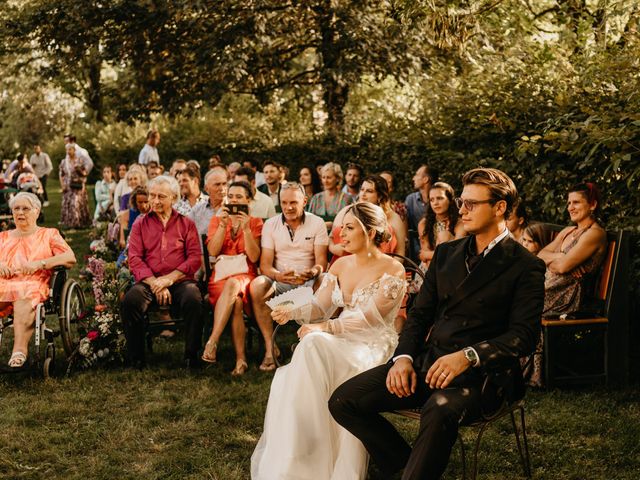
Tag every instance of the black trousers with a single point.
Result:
(43, 181)
(185, 300)
(357, 403)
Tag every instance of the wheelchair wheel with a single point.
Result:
(71, 309)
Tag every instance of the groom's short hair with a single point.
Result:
(499, 184)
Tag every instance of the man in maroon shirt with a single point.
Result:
(164, 254)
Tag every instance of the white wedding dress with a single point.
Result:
(301, 440)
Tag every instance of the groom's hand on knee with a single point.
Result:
(402, 378)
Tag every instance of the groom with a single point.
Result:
(477, 313)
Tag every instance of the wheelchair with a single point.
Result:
(66, 301)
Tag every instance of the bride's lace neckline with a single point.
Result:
(364, 292)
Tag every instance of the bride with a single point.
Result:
(300, 439)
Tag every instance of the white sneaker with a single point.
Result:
(45, 204)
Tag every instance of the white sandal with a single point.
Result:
(17, 359)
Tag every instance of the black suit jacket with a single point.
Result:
(495, 309)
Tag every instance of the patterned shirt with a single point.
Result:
(184, 207)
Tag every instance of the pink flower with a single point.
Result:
(92, 335)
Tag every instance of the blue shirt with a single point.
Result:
(416, 210)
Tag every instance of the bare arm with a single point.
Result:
(552, 251)
(251, 243)
(215, 242)
(587, 246)
(400, 229)
(266, 263)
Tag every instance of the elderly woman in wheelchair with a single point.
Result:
(28, 253)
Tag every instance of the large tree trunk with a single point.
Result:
(335, 88)
(93, 89)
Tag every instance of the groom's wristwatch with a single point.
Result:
(471, 355)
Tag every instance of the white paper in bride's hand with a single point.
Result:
(294, 298)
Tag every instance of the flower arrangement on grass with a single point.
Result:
(103, 342)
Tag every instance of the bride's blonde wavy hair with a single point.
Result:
(371, 217)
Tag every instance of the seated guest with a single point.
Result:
(518, 221)
(294, 253)
(440, 223)
(261, 205)
(189, 181)
(271, 187)
(572, 260)
(352, 180)
(331, 200)
(104, 193)
(236, 234)
(310, 180)
(399, 207)
(138, 204)
(574, 256)
(121, 186)
(177, 167)
(27, 256)
(374, 190)
(215, 184)
(153, 169)
(136, 177)
(233, 169)
(164, 255)
(535, 237)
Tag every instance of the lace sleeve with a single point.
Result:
(324, 303)
(376, 306)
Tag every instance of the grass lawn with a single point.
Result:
(163, 423)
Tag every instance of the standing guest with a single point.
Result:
(329, 202)
(138, 205)
(215, 161)
(441, 222)
(271, 187)
(189, 181)
(253, 165)
(164, 255)
(27, 256)
(518, 221)
(261, 205)
(318, 166)
(177, 167)
(416, 204)
(81, 153)
(352, 178)
(149, 152)
(104, 191)
(535, 237)
(121, 186)
(153, 169)
(136, 176)
(233, 234)
(294, 253)
(42, 167)
(215, 184)
(311, 182)
(73, 180)
(479, 309)
(399, 207)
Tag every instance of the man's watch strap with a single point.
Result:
(472, 356)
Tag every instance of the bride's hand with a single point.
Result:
(281, 314)
(311, 327)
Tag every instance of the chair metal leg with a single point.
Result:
(474, 468)
(526, 458)
(464, 457)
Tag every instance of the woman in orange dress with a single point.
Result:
(232, 234)
(27, 255)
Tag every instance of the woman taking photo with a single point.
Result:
(27, 256)
(329, 202)
(234, 238)
(300, 439)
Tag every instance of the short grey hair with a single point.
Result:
(213, 171)
(336, 169)
(168, 180)
(30, 197)
(137, 169)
